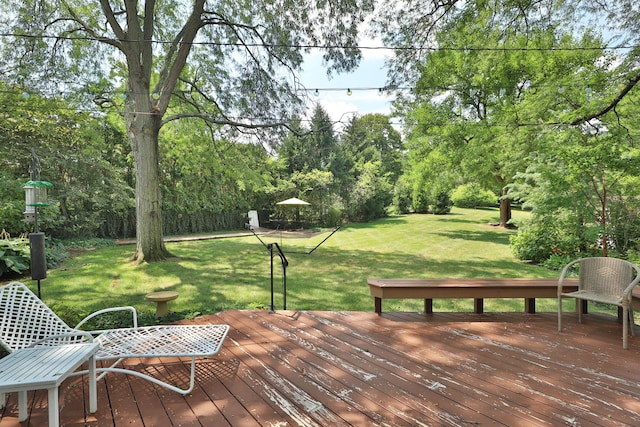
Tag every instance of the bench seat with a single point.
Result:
(478, 289)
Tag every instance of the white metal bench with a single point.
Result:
(26, 321)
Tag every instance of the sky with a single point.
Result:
(332, 93)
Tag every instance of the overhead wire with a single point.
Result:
(342, 47)
(316, 91)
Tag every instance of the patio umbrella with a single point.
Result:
(293, 201)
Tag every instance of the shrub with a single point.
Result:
(420, 200)
(443, 203)
(472, 195)
(14, 256)
(334, 216)
(402, 196)
(542, 237)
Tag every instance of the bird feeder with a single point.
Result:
(35, 196)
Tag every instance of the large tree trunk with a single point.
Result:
(143, 132)
(505, 209)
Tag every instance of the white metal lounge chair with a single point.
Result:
(605, 280)
(25, 321)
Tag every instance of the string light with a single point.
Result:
(25, 94)
(337, 46)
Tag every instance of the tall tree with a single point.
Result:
(483, 107)
(222, 61)
(411, 26)
(371, 152)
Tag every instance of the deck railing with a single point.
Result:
(283, 260)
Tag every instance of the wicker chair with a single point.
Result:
(604, 280)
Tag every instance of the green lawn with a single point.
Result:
(233, 273)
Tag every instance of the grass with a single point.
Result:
(234, 273)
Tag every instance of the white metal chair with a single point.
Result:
(605, 280)
(25, 321)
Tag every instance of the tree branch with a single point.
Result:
(111, 19)
(612, 105)
(86, 28)
(176, 57)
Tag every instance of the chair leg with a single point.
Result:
(559, 314)
(625, 328)
(579, 309)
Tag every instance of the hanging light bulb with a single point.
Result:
(316, 93)
(349, 93)
(589, 92)
(380, 92)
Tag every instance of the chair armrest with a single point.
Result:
(43, 341)
(134, 315)
(629, 289)
(564, 272)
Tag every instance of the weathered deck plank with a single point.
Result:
(357, 368)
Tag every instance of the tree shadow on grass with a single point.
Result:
(235, 273)
(477, 236)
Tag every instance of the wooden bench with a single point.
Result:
(478, 289)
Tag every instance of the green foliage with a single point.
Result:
(85, 158)
(14, 256)
(557, 262)
(13, 204)
(442, 204)
(247, 86)
(354, 174)
(543, 236)
(420, 199)
(55, 253)
(370, 194)
(333, 217)
(402, 197)
(472, 195)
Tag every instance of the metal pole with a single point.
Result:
(284, 287)
(270, 247)
(37, 256)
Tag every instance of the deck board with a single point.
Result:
(358, 368)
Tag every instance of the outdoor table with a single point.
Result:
(46, 368)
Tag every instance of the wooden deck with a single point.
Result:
(358, 368)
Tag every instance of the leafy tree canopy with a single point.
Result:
(226, 62)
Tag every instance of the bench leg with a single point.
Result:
(378, 304)
(530, 305)
(478, 305)
(428, 306)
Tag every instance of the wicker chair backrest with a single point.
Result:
(605, 275)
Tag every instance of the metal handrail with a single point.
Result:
(285, 263)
